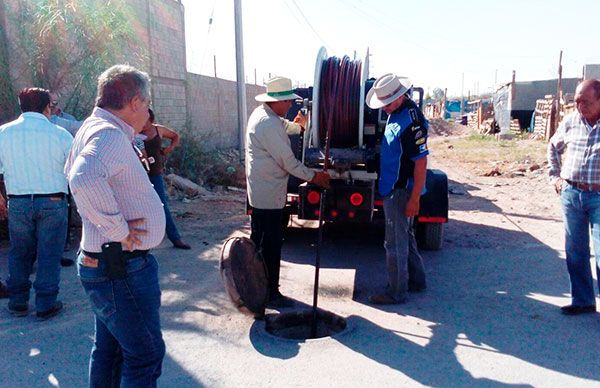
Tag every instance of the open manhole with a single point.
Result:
(298, 325)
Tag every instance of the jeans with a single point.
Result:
(171, 229)
(128, 346)
(581, 209)
(37, 229)
(404, 263)
(267, 235)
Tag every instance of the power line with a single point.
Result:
(210, 20)
(309, 25)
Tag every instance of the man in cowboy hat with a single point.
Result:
(401, 183)
(269, 162)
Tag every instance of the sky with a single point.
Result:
(465, 46)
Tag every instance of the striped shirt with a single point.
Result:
(33, 152)
(580, 143)
(110, 186)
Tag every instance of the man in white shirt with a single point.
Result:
(269, 162)
(33, 152)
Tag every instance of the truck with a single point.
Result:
(337, 100)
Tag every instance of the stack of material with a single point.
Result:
(543, 112)
(481, 112)
(515, 127)
(434, 110)
(567, 104)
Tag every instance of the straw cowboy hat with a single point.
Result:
(386, 89)
(278, 89)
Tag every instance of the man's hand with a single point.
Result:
(412, 206)
(322, 179)
(133, 237)
(3, 209)
(558, 185)
(300, 119)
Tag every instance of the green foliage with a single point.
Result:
(66, 44)
(203, 165)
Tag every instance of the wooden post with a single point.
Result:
(555, 112)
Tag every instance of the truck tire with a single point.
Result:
(430, 235)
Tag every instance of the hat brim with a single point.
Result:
(264, 97)
(375, 103)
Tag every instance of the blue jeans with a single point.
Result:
(171, 229)
(581, 209)
(37, 229)
(404, 263)
(128, 347)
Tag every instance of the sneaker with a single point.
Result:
(3, 291)
(384, 299)
(18, 310)
(181, 245)
(277, 301)
(53, 311)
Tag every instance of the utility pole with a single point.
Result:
(555, 110)
(241, 79)
(462, 96)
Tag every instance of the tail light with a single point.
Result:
(351, 214)
(356, 199)
(313, 197)
(334, 213)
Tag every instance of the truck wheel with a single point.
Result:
(429, 236)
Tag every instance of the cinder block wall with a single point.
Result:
(208, 105)
(212, 108)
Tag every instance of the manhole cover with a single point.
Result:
(298, 325)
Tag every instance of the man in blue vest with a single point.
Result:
(401, 182)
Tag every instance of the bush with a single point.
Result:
(194, 159)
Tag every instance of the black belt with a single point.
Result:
(128, 255)
(584, 186)
(32, 196)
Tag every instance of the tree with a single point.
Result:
(66, 44)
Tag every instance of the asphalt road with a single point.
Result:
(488, 318)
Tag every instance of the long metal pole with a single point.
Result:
(241, 78)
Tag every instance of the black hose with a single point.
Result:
(339, 95)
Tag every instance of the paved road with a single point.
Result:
(489, 317)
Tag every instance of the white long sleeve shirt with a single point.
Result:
(270, 159)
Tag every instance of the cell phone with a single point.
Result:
(116, 266)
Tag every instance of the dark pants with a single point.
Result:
(37, 228)
(267, 234)
(128, 345)
(159, 186)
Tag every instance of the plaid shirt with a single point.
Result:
(581, 141)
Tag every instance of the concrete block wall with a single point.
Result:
(212, 108)
(207, 105)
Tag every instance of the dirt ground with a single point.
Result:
(489, 316)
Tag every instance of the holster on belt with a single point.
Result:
(116, 263)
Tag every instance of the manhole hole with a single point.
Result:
(298, 325)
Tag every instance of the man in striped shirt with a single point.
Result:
(122, 220)
(32, 155)
(577, 179)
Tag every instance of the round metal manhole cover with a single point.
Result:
(298, 325)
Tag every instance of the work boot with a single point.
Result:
(18, 310)
(384, 299)
(51, 312)
(277, 301)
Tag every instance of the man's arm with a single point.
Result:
(171, 135)
(88, 180)
(420, 173)
(556, 147)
